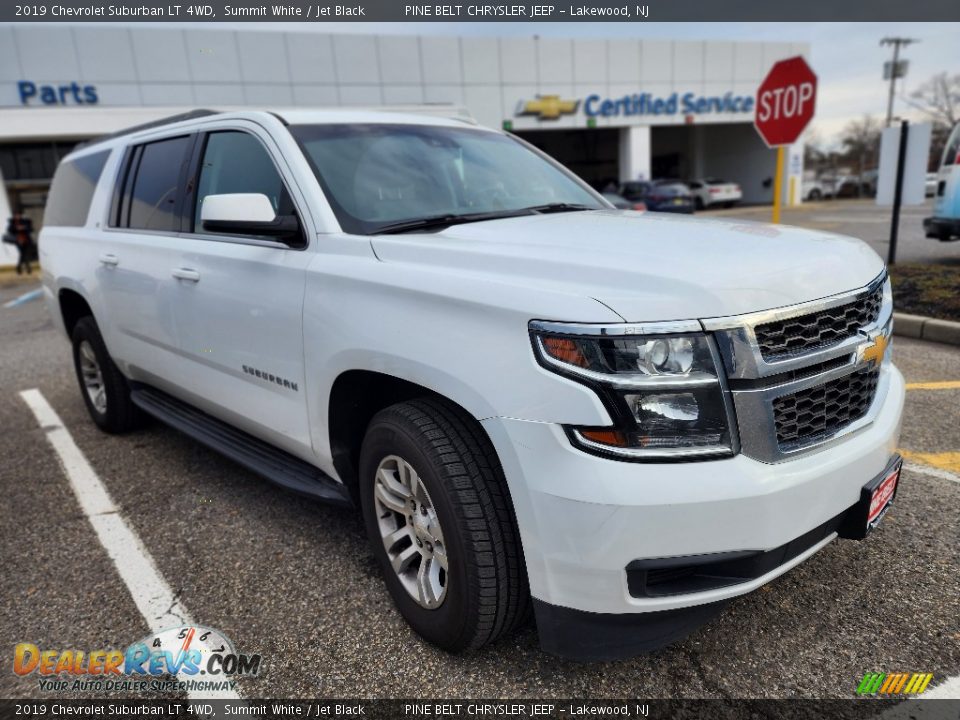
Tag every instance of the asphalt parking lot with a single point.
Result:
(293, 580)
(865, 220)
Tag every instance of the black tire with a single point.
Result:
(120, 414)
(697, 202)
(486, 594)
(814, 195)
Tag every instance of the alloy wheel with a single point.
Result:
(92, 378)
(411, 532)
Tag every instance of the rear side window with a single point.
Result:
(72, 190)
(152, 192)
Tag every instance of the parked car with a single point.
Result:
(813, 190)
(533, 399)
(621, 203)
(714, 191)
(847, 186)
(660, 195)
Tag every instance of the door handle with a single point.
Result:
(186, 274)
(109, 259)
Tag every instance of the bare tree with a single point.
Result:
(813, 153)
(861, 142)
(939, 99)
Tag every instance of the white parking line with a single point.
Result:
(150, 592)
(932, 472)
(25, 298)
(949, 689)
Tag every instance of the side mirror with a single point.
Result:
(245, 214)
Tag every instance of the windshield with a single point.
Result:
(379, 175)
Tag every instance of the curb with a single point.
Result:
(920, 327)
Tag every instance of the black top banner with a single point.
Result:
(622, 11)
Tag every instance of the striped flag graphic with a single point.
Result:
(894, 683)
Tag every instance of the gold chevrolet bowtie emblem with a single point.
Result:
(874, 351)
(548, 107)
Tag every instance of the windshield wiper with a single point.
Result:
(445, 220)
(560, 207)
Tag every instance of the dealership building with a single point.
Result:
(610, 109)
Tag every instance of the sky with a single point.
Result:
(847, 57)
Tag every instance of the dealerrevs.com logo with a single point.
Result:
(201, 658)
(894, 683)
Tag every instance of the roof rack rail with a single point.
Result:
(169, 120)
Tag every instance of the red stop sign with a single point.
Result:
(785, 101)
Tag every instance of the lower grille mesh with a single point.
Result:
(805, 416)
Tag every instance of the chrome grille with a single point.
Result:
(800, 377)
(804, 417)
(807, 332)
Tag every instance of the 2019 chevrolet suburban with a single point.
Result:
(620, 420)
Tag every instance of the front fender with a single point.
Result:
(464, 338)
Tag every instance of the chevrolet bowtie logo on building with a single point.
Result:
(873, 352)
(548, 107)
(894, 683)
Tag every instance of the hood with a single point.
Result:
(647, 266)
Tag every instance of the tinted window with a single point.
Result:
(633, 190)
(953, 148)
(72, 190)
(155, 188)
(670, 189)
(236, 162)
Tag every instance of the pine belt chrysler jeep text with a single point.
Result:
(616, 420)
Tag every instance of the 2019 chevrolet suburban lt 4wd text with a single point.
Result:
(619, 420)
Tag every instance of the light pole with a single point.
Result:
(894, 67)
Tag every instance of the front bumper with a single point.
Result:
(584, 519)
(941, 228)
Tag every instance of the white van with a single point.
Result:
(945, 223)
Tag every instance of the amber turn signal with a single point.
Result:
(565, 350)
(605, 437)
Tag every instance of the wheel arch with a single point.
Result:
(355, 397)
(73, 306)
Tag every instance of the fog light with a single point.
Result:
(681, 406)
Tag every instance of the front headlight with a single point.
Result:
(664, 392)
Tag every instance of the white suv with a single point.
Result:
(620, 419)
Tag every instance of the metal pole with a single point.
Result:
(898, 192)
(778, 185)
(893, 80)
